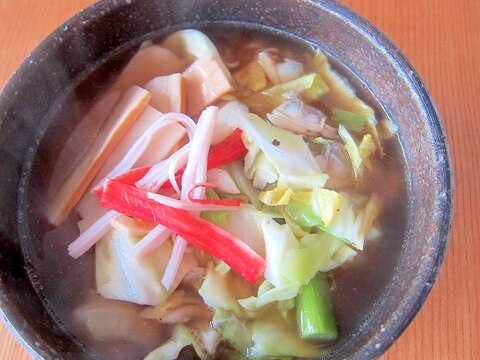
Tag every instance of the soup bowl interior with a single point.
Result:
(64, 76)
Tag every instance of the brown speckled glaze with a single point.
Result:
(48, 77)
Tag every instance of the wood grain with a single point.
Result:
(442, 40)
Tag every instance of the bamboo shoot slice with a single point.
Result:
(168, 93)
(117, 125)
(206, 81)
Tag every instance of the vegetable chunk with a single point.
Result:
(137, 281)
(212, 239)
(168, 93)
(149, 62)
(206, 81)
(117, 125)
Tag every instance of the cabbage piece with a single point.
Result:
(180, 307)
(267, 294)
(170, 349)
(342, 255)
(222, 268)
(361, 155)
(304, 182)
(326, 204)
(288, 153)
(366, 149)
(279, 293)
(279, 196)
(296, 116)
(296, 229)
(289, 70)
(305, 215)
(245, 186)
(257, 102)
(282, 194)
(350, 120)
(352, 150)
(322, 141)
(278, 240)
(342, 95)
(251, 76)
(121, 278)
(355, 226)
(309, 213)
(236, 332)
(387, 128)
(221, 291)
(204, 342)
(292, 263)
(279, 72)
(218, 217)
(335, 161)
(109, 320)
(245, 224)
(314, 254)
(262, 171)
(226, 122)
(310, 87)
(223, 180)
(250, 303)
(274, 338)
(370, 214)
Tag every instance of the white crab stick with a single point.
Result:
(195, 172)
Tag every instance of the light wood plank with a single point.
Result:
(442, 40)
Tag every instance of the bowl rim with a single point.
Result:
(394, 54)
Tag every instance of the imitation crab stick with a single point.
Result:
(195, 172)
(228, 150)
(168, 93)
(117, 125)
(157, 145)
(206, 81)
(198, 232)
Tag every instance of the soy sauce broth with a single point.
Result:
(65, 284)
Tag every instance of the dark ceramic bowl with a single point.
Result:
(61, 78)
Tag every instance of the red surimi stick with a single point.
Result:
(198, 232)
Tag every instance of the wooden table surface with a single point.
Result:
(442, 40)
